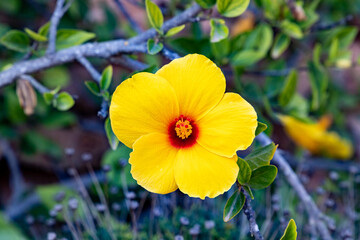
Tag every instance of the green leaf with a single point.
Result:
(16, 40)
(56, 77)
(248, 190)
(93, 87)
(334, 48)
(244, 171)
(233, 205)
(9, 231)
(174, 30)
(153, 47)
(263, 176)
(261, 156)
(260, 128)
(44, 29)
(291, 29)
(247, 58)
(206, 3)
(317, 53)
(289, 89)
(66, 38)
(48, 97)
(113, 141)
(106, 77)
(64, 101)
(155, 15)
(232, 8)
(281, 43)
(219, 30)
(35, 36)
(318, 82)
(290, 231)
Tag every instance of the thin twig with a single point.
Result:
(128, 62)
(250, 215)
(126, 14)
(90, 68)
(38, 86)
(54, 22)
(321, 220)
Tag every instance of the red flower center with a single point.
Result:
(183, 132)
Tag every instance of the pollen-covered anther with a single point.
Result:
(183, 127)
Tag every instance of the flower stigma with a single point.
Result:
(183, 127)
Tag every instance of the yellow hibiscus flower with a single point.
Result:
(316, 139)
(183, 129)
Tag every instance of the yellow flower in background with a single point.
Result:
(183, 129)
(316, 139)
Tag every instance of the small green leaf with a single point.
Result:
(153, 47)
(35, 36)
(319, 83)
(64, 101)
(219, 30)
(317, 53)
(155, 15)
(113, 141)
(290, 231)
(334, 48)
(233, 205)
(260, 128)
(16, 40)
(248, 190)
(247, 58)
(291, 29)
(44, 30)
(232, 8)
(106, 77)
(66, 38)
(206, 3)
(289, 89)
(244, 171)
(48, 97)
(263, 176)
(261, 156)
(281, 43)
(174, 30)
(93, 87)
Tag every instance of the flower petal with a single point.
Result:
(200, 173)
(198, 83)
(228, 127)
(152, 163)
(140, 105)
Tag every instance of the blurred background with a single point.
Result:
(63, 177)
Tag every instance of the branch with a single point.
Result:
(102, 50)
(54, 22)
(123, 10)
(321, 220)
(250, 214)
